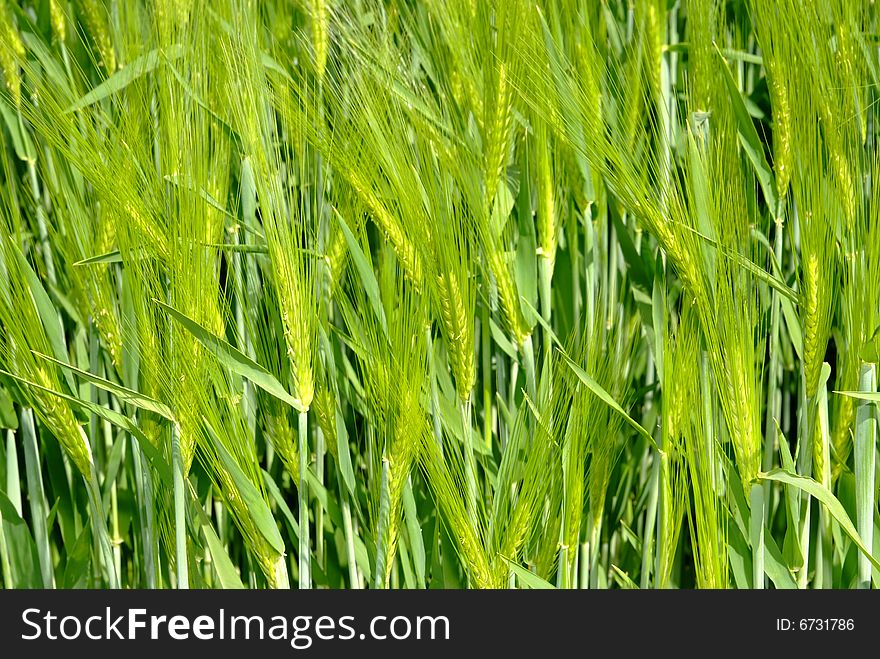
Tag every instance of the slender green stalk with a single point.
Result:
(305, 568)
(280, 576)
(806, 431)
(414, 532)
(865, 450)
(774, 394)
(13, 488)
(650, 528)
(246, 222)
(37, 497)
(504, 390)
(99, 527)
(319, 508)
(512, 383)
(590, 260)
(824, 577)
(488, 395)
(611, 280)
(435, 396)
(545, 288)
(528, 358)
(664, 515)
(115, 539)
(708, 417)
(756, 534)
(5, 567)
(594, 549)
(584, 565)
(563, 579)
(45, 246)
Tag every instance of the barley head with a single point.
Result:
(325, 411)
(498, 130)
(507, 294)
(320, 15)
(299, 346)
(459, 332)
(740, 414)
(409, 425)
(841, 439)
(813, 340)
(548, 222)
(60, 420)
(779, 101)
(335, 256)
(392, 230)
(57, 20)
(95, 17)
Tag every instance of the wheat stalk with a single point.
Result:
(11, 53)
(95, 17)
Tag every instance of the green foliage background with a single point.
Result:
(439, 294)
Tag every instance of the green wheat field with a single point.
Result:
(439, 293)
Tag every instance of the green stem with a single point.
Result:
(435, 396)
(182, 566)
(45, 246)
(486, 358)
(823, 542)
(248, 399)
(545, 281)
(37, 497)
(354, 578)
(865, 441)
(528, 357)
(4, 550)
(708, 418)
(282, 580)
(584, 565)
(774, 393)
(99, 526)
(563, 579)
(576, 293)
(593, 543)
(115, 538)
(319, 509)
(611, 275)
(380, 578)
(13, 480)
(650, 523)
(501, 387)
(807, 425)
(756, 534)
(470, 461)
(305, 575)
(590, 259)
(414, 532)
(144, 490)
(5, 567)
(512, 388)
(663, 550)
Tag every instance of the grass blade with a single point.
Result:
(137, 68)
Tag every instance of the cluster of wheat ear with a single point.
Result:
(439, 294)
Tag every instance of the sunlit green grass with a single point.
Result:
(439, 294)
